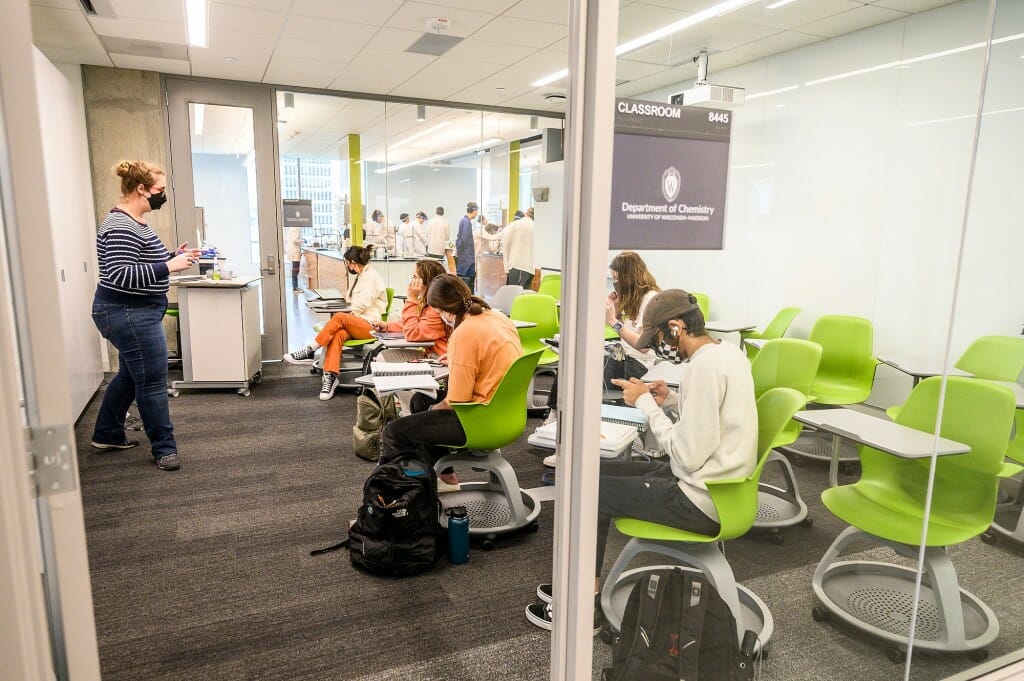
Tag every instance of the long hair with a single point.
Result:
(450, 294)
(427, 271)
(635, 281)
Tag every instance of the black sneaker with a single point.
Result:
(301, 356)
(540, 615)
(127, 444)
(328, 385)
(170, 462)
(544, 592)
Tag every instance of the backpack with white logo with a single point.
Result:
(677, 627)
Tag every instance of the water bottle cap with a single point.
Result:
(457, 512)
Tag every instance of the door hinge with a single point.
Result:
(51, 451)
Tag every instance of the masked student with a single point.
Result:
(633, 289)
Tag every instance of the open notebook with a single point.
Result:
(392, 376)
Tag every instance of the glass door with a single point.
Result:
(224, 182)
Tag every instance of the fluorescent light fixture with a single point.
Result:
(654, 36)
(196, 19)
(440, 157)
(418, 135)
(421, 112)
(769, 93)
(199, 111)
(779, 3)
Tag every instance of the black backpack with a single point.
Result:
(397, 530)
(677, 627)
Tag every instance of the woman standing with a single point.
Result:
(634, 287)
(421, 322)
(367, 299)
(293, 252)
(482, 347)
(128, 309)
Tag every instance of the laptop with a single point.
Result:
(324, 294)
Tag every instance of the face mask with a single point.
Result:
(669, 352)
(450, 323)
(352, 271)
(157, 200)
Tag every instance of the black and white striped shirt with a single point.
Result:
(132, 260)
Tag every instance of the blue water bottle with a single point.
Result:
(458, 535)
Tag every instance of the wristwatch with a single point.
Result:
(617, 326)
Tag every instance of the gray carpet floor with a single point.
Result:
(205, 573)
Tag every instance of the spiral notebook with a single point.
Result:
(401, 369)
(393, 376)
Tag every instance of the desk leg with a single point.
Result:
(833, 465)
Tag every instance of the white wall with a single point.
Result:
(549, 216)
(222, 189)
(72, 214)
(841, 200)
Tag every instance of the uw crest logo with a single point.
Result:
(670, 184)
(298, 213)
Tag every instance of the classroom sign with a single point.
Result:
(669, 176)
(298, 213)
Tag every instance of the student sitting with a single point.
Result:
(419, 321)
(713, 438)
(634, 287)
(367, 299)
(483, 345)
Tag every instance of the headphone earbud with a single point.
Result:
(675, 330)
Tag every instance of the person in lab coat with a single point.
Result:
(293, 252)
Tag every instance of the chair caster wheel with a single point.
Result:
(896, 656)
(607, 635)
(989, 537)
(979, 655)
(244, 392)
(532, 527)
(777, 538)
(820, 614)
(807, 522)
(258, 378)
(487, 544)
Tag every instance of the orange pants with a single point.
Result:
(334, 334)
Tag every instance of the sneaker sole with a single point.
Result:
(328, 395)
(292, 360)
(537, 621)
(164, 467)
(101, 445)
(545, 598)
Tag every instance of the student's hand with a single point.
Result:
(659, 391)
(609, 310)
(631, 389)
(379, 326)
(443, 359)
(415, 290)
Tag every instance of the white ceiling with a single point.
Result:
(359, 45)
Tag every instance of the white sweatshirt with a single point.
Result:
(368, 296)
(715, 437)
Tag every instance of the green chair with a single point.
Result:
(540, 309)
(736, 503)
(704, 303)
(776, 329)
(391, 298)
(498, 505)
(887, 506)
(551, 285)
(845, 376)
(784, 363)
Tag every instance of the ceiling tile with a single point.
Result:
(140, 29)
(490, 52)
(413, 16)
(63, 4)
(157, 11)
(793, 14)
(311, 49)
(551, 11)
(521, 32)
(60, 55)
(367, 79)
(639, 19)
(632, 70)
(780, 42)
(126, 61)
(82, 42)
(912, 5)
(232, 18)
(244, 71)
(248, 50)
(445, 77)
(489, 6)
(396, 39)
(669, 51)
(725, 34)
(405, 62)
(328, 31)
(71, 20)
(853, 20)
(303, 72)
(374, 13)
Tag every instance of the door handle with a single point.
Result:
(271, 267)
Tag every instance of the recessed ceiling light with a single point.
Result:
(230, 59)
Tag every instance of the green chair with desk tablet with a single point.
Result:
(551, 285)
(540, 309)
(498, 505)
(736, 503)
(776, 328)
(704, 303)
(887, 506)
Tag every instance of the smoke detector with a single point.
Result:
(438, 24)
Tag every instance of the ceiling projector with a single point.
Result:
(705, 94)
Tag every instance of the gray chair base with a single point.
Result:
(779, 507)
(497, 506)
(749, 611)
(877, 598)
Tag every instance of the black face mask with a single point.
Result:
(351, 271)
(157, 200)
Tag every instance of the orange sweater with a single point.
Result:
(480, 351)
(422, 325)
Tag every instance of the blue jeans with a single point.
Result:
(138, 334)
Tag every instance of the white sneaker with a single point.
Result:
(551, 461)
(328, 386)
(301, 356)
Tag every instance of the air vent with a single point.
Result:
(98, 8)
(144, 48)
(434, 44)
(554, 97)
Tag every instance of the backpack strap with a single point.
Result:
(327, 549)
(695, 597)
